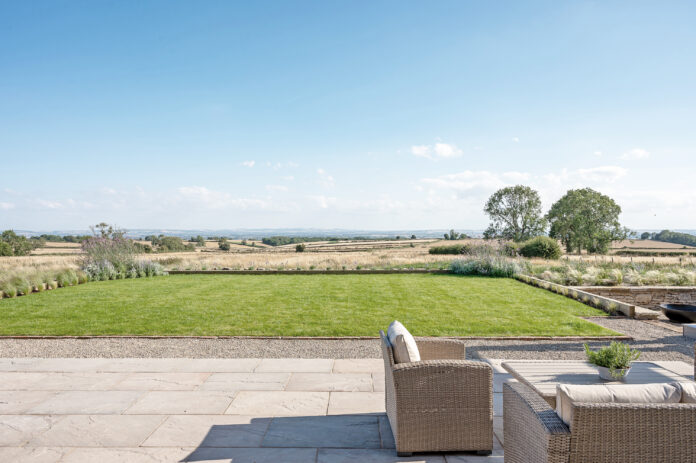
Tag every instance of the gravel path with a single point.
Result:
(655, 340)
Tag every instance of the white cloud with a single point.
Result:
(437, 151)
(282, 165)
(248, 163)
(49, 204)
(325, 179)
(602, 174)
(276, 188)
(516, 139)
(6, 206)
(288, 178)
(323, 201)
(635, 153)
(469, 180)
(598, 153)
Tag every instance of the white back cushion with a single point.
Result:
(688, 392)
(403, 345)
(569, 394)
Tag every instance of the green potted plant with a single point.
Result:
(614, 361)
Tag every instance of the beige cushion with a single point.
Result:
(688, 392)
(403, 345)
(569, 394)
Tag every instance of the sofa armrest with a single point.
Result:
(533, 432)
(440, 348)
(636, 431)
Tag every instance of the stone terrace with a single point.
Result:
(207, 410)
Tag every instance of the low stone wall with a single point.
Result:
(646, 296)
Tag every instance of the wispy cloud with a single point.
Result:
(323, 201)
(516, 139)
(275, 188)
(282, 165)
(6, 206)
(326, 180)
(598, 153)
(211, 199)
(438, 150)
(248, 163)
(635, 153)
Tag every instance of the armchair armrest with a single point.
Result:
(442, 384)
(533, 430)
(441, 348)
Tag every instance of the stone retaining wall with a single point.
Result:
(646, 296)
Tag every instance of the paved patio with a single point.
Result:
(207, 410)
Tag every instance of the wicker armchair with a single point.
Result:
(599, 433)
(441, 403)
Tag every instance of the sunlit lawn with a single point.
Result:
(298, 305)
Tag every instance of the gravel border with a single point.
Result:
(656, 341)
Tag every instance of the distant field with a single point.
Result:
(648, 245)
(298, 305)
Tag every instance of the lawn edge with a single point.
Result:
(328, 338)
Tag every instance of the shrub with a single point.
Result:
(118, 251)
(486, 265)
(100, 271)
(66, 278)
(81, 277)
(510, 249)
(453, 249)
(541, 246)
(8, 289)
(300, 248)
(22, 284)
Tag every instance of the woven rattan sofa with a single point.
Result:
(440, 403)
(598, 433)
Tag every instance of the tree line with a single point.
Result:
(583, 219)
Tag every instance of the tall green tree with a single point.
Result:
(515, 213)
(586, 219)
(16, 244)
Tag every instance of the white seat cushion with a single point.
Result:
(569, 394)
(403, 345)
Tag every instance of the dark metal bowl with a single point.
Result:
(680, 313)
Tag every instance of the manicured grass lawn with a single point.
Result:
(298, 305)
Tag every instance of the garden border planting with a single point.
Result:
(601, 302)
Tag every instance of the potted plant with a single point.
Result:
(613, 362)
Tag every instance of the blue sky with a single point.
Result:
(377, 115)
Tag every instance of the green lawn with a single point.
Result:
(298, 305)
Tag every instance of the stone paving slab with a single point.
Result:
(177, 381)
(98, 431)
(245, 382)
(86, 403)
(347, 382)
(341, 403)
(279, 403)
(181, 403)
(209, 431)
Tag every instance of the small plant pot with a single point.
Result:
(619, 374)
